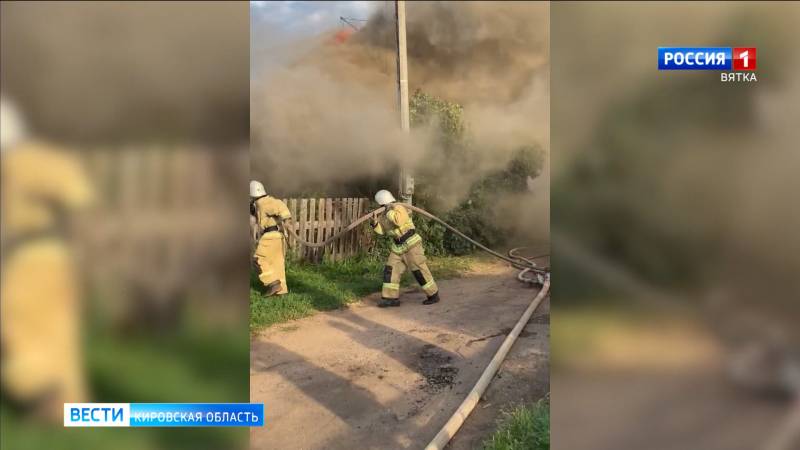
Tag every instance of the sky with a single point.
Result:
(308, 17)
(274, 25)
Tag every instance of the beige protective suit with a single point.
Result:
(40, 301)
(407, 252)
(269, 253)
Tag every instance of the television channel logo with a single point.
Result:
(735, 63)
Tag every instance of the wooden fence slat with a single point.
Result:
(321, 222)
(321, 229)
(338, 227)
(360, 236)
(345, 221)
(305, 220)
(296, 227)
(331, 205)
(351, 236)
(295, 217)
(307, 227)
(302, 218)
(343, 241)
(356, 214)
(312, 234)
(329, 224)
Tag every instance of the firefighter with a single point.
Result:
(42, 186)
(406, 252)
(269, 213)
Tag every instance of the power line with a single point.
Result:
(351, 21)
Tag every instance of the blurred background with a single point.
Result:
(674, 218)
(125, 261)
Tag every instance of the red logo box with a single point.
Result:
(744, 58)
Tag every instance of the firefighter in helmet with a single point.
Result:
(406, 252)
(42, 187)
(269, 213)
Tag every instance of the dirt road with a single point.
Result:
(368, 377)
(693, 409)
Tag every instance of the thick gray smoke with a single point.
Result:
(330, 117)
(101, 72)
(689, 184)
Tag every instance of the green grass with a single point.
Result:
(524, 428)
(331, 285)
(184, 366)
(580, 329)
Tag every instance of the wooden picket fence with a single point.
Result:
(316, 219)
(156, 211)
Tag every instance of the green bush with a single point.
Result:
(476, 215)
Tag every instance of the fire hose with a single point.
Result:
(460, 415)
(526, 265)
(529, 273)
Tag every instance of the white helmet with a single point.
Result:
(384, 197)
(257, 189)
(12, 125)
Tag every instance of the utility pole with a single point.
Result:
(406, 190)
